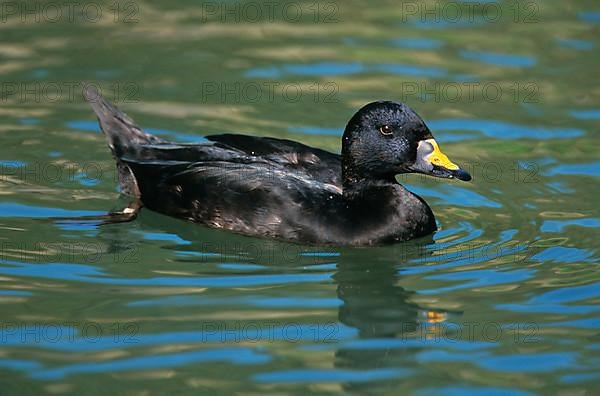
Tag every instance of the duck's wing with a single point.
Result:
(321, 165)
(318, 164)
(259, 197)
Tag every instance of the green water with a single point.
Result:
(503, 299)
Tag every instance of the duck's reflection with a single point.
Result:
(367, 284)
(373, 302)
(376, 305)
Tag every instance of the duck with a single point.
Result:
(282, 189)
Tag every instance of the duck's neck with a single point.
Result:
(356, 173)
(353, 184)
(353, 178)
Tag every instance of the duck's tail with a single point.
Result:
(123, 135)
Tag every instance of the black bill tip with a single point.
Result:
(461, 175)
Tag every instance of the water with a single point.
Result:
(502, 300)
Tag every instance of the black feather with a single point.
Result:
(279, 188)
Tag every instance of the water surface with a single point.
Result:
(503, 299)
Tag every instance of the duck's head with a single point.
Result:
(384, 139)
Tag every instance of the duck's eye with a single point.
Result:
(386, 130)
